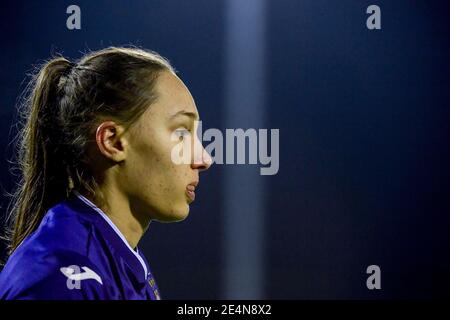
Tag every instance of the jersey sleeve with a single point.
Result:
(59, 276)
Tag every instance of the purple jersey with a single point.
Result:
(77, 253)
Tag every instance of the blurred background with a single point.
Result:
(364, 122)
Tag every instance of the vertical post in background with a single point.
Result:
(244, 190)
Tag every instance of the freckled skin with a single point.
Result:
(149, 178)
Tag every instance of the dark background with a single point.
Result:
(364, 137)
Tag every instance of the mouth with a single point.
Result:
(190, 190)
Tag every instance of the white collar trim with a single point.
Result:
(114, 227)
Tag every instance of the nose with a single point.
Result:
(203, 161)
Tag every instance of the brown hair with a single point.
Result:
(63, 105)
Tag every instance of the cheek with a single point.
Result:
(153, 177)
(153, 171)
(159, 186)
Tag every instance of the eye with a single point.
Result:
(182, 133)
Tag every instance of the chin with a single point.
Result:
(174, 215)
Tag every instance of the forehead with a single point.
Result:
(173, 95)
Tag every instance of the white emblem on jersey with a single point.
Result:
(69, 272)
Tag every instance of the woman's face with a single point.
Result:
(154, 183)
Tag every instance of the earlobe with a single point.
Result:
(110, 140)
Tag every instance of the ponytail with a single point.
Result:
(44, 178)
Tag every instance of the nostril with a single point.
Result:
(206, 161)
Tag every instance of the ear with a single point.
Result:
(110, 141)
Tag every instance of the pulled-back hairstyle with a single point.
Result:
(64, 104)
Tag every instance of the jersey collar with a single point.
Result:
(137, 258)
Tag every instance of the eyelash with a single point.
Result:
(182, 132)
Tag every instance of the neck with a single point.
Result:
(118, 208)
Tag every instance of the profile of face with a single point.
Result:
(153, 183)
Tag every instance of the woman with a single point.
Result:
(96, 155)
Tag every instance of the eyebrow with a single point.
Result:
(189, 114)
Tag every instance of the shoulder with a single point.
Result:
(54, 262)
(56, 275)
(63, 228)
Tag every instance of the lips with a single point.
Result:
(190, 190)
